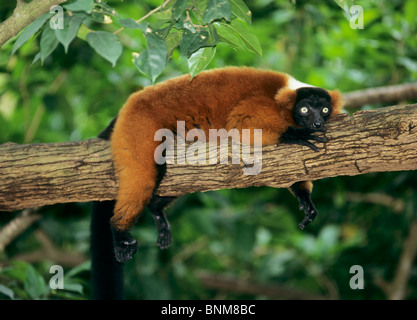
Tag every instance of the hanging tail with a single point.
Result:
(106, 272)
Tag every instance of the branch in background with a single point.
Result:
(17, 226)
(23, 15)
(381, 95)
(240, 286)
(50, 252)
(396, 205)
(379, 140)
(398, 288)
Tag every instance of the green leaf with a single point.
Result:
(66, 35)
(99, 17)
(152, 61)
(81, 5)
(173, 40)
(78, 269)
(96, 16)
(74, 287)
(199, 60)
(345, 4)
(16, 271)
(83, 31)
(240, 10)
(48, 43)
(105, 44)
(36, 58)
(34, 284)
(142, 62)
(242, 30)
(229, 36)
(105, 8)
(191, 42)
(6, 291)
(30, 30)
(217, 9)
(131, 24)
(179, 8)
(182, 24)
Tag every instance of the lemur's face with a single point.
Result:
(312, 108)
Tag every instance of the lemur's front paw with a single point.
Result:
(125, 246)
(310, 214)
(319, 139)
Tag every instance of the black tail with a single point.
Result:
(106, 272)
(108, 131)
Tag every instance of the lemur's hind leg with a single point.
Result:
(302, 191)
(137, 176)
(156, 206)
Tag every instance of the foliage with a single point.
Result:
(23, 281)
(188, 25)
(67, 85)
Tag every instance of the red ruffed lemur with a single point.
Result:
(287, 111)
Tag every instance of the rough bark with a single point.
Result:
(23, 15)
(369, 141)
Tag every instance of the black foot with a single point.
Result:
(164, 238)
(125, 246)
(310, 213)
(164, 230)
(156, 206)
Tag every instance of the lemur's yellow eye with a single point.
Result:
(325, 110)
(304, 110)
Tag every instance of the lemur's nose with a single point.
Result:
(317, 125)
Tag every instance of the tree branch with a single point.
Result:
(17, 226)
(398, 287)
(23, 15)
(370, 141)
(399, 93)
(241, 286)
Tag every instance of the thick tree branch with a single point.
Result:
(23, 15)
(370, 141)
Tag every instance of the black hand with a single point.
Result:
(301, 136)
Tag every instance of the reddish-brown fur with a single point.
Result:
(242, 98)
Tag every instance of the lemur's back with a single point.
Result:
(206, 101)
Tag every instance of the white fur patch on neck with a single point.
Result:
(294, 84)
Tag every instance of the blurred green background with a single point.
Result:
(248, 235)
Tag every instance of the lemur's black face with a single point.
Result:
(312, 108)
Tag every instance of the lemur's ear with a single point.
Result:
(286, 97)
(336, 101)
